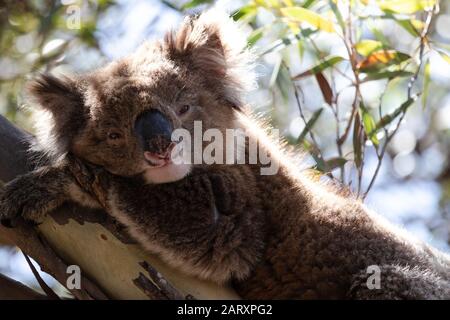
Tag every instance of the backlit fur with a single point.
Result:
(277, 236)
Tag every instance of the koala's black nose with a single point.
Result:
(155, 131)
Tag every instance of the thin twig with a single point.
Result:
(353, 57)
(302, 115)
(423, 41)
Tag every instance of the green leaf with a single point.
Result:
(299, 14)
(301, 49)
(379, 35)
(357, 150)
(369, 124)
(320, 164)
(255, 36)
(284, 82)
(271, 3)
(366, 47)
(165, 2)
(195, 3)
(314, 152)
(412, 26)
(245, 13)
(337, 13)
(387, 119)
(24, 22)
(275, 72)
(309, 125)
(308, 3)
(307, 146)
(387, 75)
(279, 44)
(444, 56)
(334, 163)
(381, 59)
(54, 48)
(320, 67)
(405, 6)
(87, 33)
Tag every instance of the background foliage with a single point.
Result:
(362, 85)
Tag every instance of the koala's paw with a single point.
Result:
(24, 198)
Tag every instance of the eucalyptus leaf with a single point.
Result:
(387, 119)
(405, 6)
(369, 124)
(195, 3)
(337, 13)
(387, 75)
(366, 47)
(334, 163)
(357, 149)
(381, 59)
(330, 62)
(255, 36)
(300, 14)
(309, 125)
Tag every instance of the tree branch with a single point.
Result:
(27, 238)
(13, 290)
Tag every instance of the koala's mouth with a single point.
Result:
(156, 160)
(165, 167)
(160, 159)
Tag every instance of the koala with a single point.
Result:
(285, 235)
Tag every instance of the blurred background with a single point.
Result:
(362, 85)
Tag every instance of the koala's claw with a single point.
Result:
(12, 211)
(22, 199)
(8, 216)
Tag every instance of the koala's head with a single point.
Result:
(122, 116)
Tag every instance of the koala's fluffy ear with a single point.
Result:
(214, 45)
(64, 115)
(54, 94)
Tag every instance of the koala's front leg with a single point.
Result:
(34, 194)
(208, 224)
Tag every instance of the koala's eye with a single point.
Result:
(185, 108)
(114, 136)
